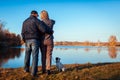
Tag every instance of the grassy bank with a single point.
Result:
(101, 71)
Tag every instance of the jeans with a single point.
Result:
(31, 46)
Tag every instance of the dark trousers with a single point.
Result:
(46, 55)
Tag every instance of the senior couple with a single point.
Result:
(38, 34)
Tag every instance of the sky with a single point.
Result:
(76, 20)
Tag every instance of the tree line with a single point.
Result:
(7, 38)
(112, 42)
(11, 39)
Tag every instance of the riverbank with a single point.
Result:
(87, 43)
(101, 71)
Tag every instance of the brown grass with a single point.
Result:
(101, 71)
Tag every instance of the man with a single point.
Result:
(32, 32)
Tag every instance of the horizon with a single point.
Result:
(78, 20)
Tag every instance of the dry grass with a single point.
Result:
(101, 71)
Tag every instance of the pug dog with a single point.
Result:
(59, 65)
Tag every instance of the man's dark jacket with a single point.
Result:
(33, 28)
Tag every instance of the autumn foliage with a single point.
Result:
(112, 40)
(7, 38)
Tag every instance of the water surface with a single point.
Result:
(14, 57)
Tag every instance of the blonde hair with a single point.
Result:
(44, 15)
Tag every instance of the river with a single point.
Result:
(14, 57)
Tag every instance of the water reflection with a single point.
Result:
(112, 52)
(9, 53)
(69, 55)
(87, 49)
(99, 49)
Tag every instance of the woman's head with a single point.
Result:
(44, 15)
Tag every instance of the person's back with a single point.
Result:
(50, 24)
(32, 30)
(48, 43)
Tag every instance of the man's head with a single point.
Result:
(34, 13)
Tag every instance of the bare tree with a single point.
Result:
(7, 38)
(1, 30)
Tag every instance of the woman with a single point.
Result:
(48, 43)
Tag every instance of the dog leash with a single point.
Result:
(53, 60)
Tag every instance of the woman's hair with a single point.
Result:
(44, 15)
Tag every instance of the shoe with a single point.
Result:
(48, 72)
(33, 75)
(43, 72)
(26, 71)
